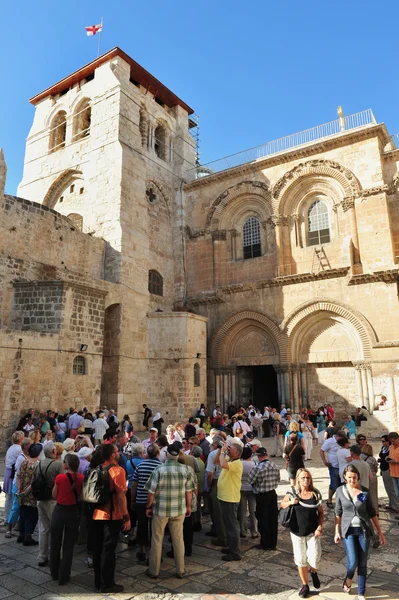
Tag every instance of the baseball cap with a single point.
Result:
(154, 429)
(249, 435)
(255, 442)
(261, 451)
(173, 449)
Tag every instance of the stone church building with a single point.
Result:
(129, 274)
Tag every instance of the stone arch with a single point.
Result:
(55, 189)
(81, 119)
(340, 178)
(221, 208)
(304, 314)
(162, 139)
(160, 192)
(237, 324)
(58, 128)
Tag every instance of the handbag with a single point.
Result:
(286, 514)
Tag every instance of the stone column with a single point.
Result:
(391, 397)
(219, 256)
(218, 387)
(226, 390)
(295, 388)
(348, 205)
(233, 388)
(280, 384)
(370, 388)
(280, 222)
(364, 387)
(359, 387)
(285, 380)
(304, 384)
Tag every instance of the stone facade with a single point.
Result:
(113, 245)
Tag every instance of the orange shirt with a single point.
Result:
(394, 454)
(118, 489)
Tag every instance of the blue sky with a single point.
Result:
(253, 70)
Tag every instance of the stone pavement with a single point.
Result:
(259, 575)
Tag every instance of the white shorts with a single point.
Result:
(307, 550)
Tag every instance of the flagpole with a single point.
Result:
(99, 38)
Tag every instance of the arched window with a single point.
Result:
(82, 120)
(160, 141)
(77, 220)
(318, 224)
(251, 238)
(79, 365)
(197, 375)
(58, 131)
(155, 283)
(143, 126)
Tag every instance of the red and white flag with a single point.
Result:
(93, 29)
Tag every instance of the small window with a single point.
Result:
(160, 141)
(251, 238)
(81, 190)
(79, 365)
(72, 189)
(155, 283)
(62, 199)
(318, 224)
(82, 120)
(58, 131)
(197, 375)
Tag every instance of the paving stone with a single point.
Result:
(5, 593)
(24, 588)
(33, 575)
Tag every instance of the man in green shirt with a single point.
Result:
(229, 494)
(170, 488)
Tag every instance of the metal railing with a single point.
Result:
(308, 136)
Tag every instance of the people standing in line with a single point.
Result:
(247, 500)
(393, 501)
(328, 453)
(65, 519)
(393, 460)
(367, 456)
(13, 515)
(147, 414)
(294, 454)
(11, 457)
(170, 488)
(46, 471)
(28, 515)
(277, 431)
(100, 427)
(306, 527)
(264, 478)
(109, 519)
(354, 522)
(139, 496)
(228, 494)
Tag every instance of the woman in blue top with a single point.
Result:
(294, 428)
(321, 425)
(350, 425)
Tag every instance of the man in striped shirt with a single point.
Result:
(170, 489)
(139, 496)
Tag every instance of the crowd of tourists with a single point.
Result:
(87, 478)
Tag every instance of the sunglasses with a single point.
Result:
(362, 439)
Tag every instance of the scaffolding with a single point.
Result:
(193, 127)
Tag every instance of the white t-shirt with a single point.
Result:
(331, 447)
(211, 467)
(342, 455)
(242, 425)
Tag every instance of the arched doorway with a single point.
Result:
(245, 359)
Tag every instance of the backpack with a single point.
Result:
(42, 488)
(96, 486)
(283, 429)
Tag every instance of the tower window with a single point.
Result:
(58, 131)
(143, 126)
(72, 189)
(251, 243)
(82, 120)
(160, 140)
(155, 283)
(318, 224)
(197, 375)
(79, 365)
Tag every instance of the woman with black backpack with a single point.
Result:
(65, 519)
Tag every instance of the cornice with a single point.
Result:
(227, 290)
(325, 145)
(389, 276)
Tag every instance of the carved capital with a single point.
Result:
(218, 235)
(278, 220)
(348, 203)
(295, 217)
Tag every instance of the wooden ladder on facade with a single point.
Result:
(320, 261)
